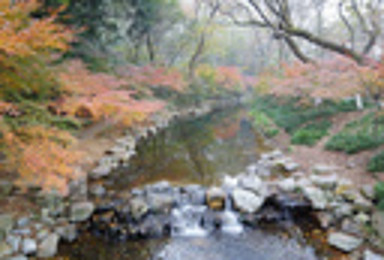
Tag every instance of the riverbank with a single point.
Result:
(33, 222)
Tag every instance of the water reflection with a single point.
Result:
(195, 151)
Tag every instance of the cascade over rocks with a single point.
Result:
(163, 209)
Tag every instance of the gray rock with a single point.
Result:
(160, 203)
(246, 201)
(325, 182)
(67, 232)
(18, 257)
(325, 219)
(6, 224)
(48, 247)
(362, 204)
(78, 188)
(139, 207)
(42, 234)
(252, 183)
(342, 210)
(22, 232)
(316, 196)
(6, 188)
(351, 227)
(362, 218)
(23, 222)
(14, 242)
(378, 222)
(368, 191)
(98, 190)
(160, 187)
(81, 211)
(52, 201)
(287, 184)
(215, 198)
(291, 166)
(5, 250)
(344, 242)
(29, 246)
(100, 171)
(369, 255)
(323, 169)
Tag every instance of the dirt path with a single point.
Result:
(352, 167)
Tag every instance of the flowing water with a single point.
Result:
(201, 151)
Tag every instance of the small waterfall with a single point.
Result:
(186, 221)
(231, 224)
(230, 219)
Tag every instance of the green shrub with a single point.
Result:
(287, 114)
(311, 133)
(263, 123)
(357, 136)
(376, 164)
(36, 114)
(379, 195)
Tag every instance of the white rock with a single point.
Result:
(316, 196)
(246, 201)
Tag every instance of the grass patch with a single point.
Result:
(311, 133)
(358, 135)
(288, 114)
(376, 164)
(262, 122)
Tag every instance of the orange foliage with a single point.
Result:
(42, 156)
(221, 79)
(100, 96)
(22, 36)
(334, 78)
(26, 47)
(153, 77)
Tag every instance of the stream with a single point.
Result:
(202, 151)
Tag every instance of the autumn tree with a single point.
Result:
(27, 44)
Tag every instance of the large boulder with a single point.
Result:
(252, 183)
(344, 242)
(246, 201)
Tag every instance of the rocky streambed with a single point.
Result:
(201, 188)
